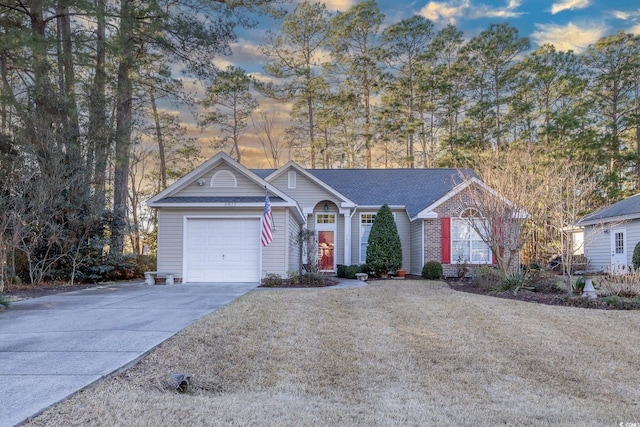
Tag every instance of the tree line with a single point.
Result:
(81, 86)
(409, 95)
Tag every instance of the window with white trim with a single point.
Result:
(291, 175)
(326, 218)
(466, 244)
(366, 222)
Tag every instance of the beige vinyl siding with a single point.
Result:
(171, 235)
(274, 259)
(417, 250)
(307, 193)
(355, 238)
(245, 187)
(170, 240)
(404, 231)
(293, 247)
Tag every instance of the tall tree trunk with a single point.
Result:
(123, 127)
(67, 90)
(160, 139)
(98, 131)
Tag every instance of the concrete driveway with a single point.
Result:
(53, 346)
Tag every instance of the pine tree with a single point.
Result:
(384, 252)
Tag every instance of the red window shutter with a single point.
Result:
(445, 243)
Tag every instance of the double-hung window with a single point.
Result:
(466, 244)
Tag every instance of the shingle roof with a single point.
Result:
(414, 188)
(627, 207)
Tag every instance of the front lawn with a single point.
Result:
(392, 353)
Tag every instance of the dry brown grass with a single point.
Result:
(393, 353)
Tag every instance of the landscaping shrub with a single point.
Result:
(486, 277)
(313, 279)
(384, 252)
(513, 281)
(351, 271)
(544, 281)
(342, 271)
(622, 283)
(272, 280)
(635, 259)
(4, 302)
(432, 270)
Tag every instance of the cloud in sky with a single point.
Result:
(333, 5)
(570, 36)
(635, 30)
(445, 11)
(569, 5)
(449, 12)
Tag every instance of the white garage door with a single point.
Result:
(223, 250)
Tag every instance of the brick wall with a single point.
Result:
(452, 208)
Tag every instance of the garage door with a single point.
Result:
(223, 250)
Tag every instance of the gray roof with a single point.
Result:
(414, 188)
(623, 208)
(239, 199)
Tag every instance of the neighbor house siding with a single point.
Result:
(597, 243)
(245, 187)
(597, 247)
(417, 242)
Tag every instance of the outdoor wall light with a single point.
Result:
(201, 182)
(326, 207)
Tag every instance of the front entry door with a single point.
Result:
(618, 247)
(326, 235)
(326, 250)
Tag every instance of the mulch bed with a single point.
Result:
(556, 297)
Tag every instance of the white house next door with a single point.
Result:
(618, 247)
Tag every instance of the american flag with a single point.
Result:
(267, 235)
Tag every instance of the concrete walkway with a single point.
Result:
(53, 346)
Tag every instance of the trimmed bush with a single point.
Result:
(272, 280)
(384, 253)
(635, 259)
(432, 270)
(342, 271)
(351, 271)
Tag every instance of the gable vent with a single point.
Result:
(223, 179)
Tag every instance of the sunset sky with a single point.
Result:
(567, 24)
